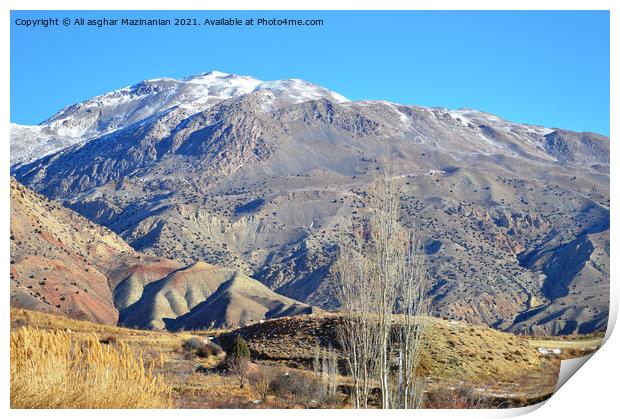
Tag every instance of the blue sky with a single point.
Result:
(547, 68)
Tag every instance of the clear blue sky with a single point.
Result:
(547, 68)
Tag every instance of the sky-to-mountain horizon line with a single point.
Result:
(219, 73)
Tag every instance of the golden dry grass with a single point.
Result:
(22, 317)
(49, 370)
(459, 350)
(160, 350)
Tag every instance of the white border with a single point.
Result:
(591, 394)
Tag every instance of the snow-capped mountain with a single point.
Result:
(118, 109)
(262, 177)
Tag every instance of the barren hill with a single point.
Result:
(514, 218)
(202, 296)
(59, 259)
(63, 263)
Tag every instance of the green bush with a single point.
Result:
(239, 349)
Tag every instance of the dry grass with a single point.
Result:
(48, 370)
(214, 391)
(463, 398)
(22, 317)
(161, 350)
(461, 351)
(149, 342)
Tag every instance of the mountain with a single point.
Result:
(514, 218)
(64, 264)
(121, 108)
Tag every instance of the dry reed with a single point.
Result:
(50, 371)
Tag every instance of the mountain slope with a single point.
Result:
(265, 184)
(59, 259)
(62, 263)
(579, 267)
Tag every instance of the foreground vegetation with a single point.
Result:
(467, 367)
(50, 370)
(128, 368)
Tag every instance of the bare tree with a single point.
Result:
(411, 326)
(381, 286)
(325, 364)
(384, 256)
(239, 367)
(358, 331)
(261, 381)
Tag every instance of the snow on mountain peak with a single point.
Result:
(300, 90)
(111, 111)
(221, 85)
(120, 108)
(212, 74)
(148, 97)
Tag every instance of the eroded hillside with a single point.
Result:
(62, 263)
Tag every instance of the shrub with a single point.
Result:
(459, 398)
(198, 347)
(108, 340)
(295, 388)
(50, 371)
(239, 348)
